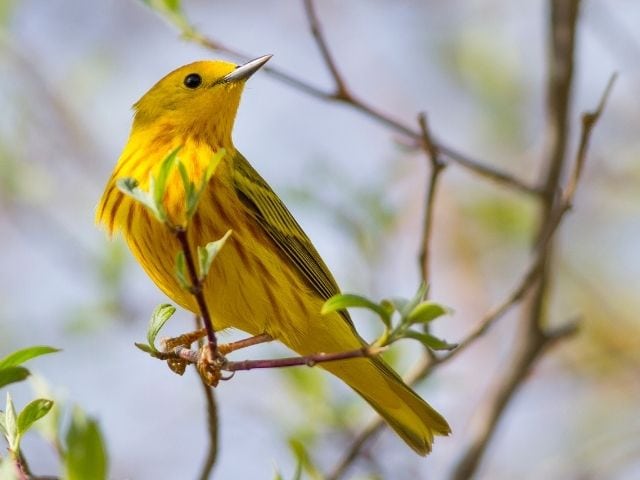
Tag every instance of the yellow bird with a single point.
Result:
(268, 278)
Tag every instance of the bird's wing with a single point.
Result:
(273, 216)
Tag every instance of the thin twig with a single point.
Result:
(212, 421)
(437, 166)
(192, 356)
(227, 348)
(424, 369)
(308, 360)
(534, 340)
(349, 99)
(523, 286)
(196, 290)
(341, 92)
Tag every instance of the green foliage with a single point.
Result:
(159, 317)
(181, 271)
(170, 10)
(33, 412)
(398, 315)
(10, 426)
(10, 369)
(20, 356)
(86, 455)
(193, 193)
(303, 461)
(304, 464)
(348, 300)
(208, 253)
(153, 199)
(12, 375)
(14, 425)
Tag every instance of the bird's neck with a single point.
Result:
(215, 133)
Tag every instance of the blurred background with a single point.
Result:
(69, 72)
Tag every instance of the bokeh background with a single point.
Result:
(69, 72)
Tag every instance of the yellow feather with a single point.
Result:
(269, 278)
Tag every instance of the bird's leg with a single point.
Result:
(210, 367)
(184, 340)
(178, 365)
(227, 348)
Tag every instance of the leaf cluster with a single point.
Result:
(82, 454)
(399, 316)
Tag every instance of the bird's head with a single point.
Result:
(200, 98)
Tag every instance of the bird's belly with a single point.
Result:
(250, 286)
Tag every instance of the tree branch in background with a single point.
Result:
(535, 338)
(437, 166)
(212, 420)
(342, 95)
(534, 286)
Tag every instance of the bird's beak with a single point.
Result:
(242, 72)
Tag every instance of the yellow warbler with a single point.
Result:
(269, 278)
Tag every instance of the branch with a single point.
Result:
(437, 166)
(341, 92)
(195, 357)
(196, 291)
(429, 363)
(534, 339)
(526, 283)
(212, 421)
(342, 95)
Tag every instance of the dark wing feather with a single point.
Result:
(276, 220)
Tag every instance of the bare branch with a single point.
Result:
(383, 118)
(341, 92)
(437, 166)
(308, 360)
(212, 419)
(197, 292)
(522, 287)
(533, 338)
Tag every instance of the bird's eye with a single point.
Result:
(193, 80)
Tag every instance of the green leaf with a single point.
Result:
(173, 6)
(208, 253)
(303, 463)
(187, 184)
(129, 186)
(159, 185)
(181, 271)
(343, 301)
(429, 341)
(194, 198)
(49, 425)
(409, 305)
(12, 375)
(426, 312)
(144, 347)
(3, 427)
(159, 317)
(20, 356)
(86, 455)
(11, 425)
(33, 412)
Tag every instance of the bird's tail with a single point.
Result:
(413, 419)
